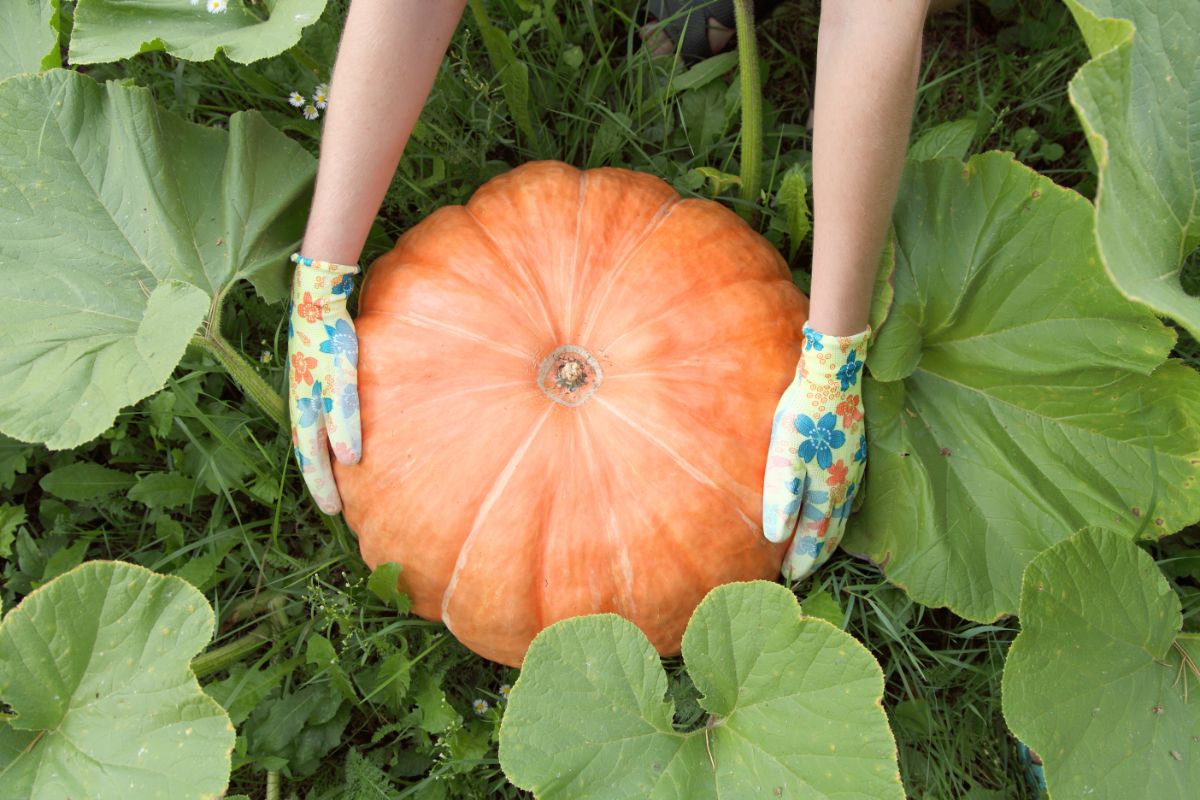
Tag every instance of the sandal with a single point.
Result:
(686, 22)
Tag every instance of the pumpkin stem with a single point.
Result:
(569, 375)
(751, 87)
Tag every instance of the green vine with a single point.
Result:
(751, 87)
(241, 370)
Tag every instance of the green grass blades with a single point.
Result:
(1137, 100)
(793, 703)
(95, 668)
(1014, 392)
(1100, 682)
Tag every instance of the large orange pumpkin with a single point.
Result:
(567, 388)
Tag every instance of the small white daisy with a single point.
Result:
(265, 357)
(296, 99)
(310, 112)
(480, 706)
(504, 690)
(217, 6)
(321, 95)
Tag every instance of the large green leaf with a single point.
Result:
(1138, 101)
(95, 667)
(794, 709)
(121, 226)
(1015, 394)
(108, 30)
(29, 41)
(1096, 681)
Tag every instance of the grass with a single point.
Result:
(280, 577)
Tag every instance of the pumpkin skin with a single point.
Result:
(519, 482)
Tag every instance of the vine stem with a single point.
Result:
(273, 785)
(246, 377)
(221, 657)
(250, 382)
(751, 87)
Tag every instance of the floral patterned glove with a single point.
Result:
(818, 451)
(323, 384)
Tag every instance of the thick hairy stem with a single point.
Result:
(242, 372)
(246, 377)
(221, 657)
(751, 86)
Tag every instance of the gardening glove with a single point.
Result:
(818, 451)
(323, 384)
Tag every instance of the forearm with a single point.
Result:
(386, 63)
(867, 64)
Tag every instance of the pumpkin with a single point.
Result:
(567, 387)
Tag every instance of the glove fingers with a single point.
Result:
(812, 533)
(343, 422)
(312, 451)
(784, 477)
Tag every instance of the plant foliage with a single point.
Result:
(106, 30)
(1100, 681)
(1137, 100)
(95, 668)
(30, 42)
(1014, 393)
(121, 229)
(793, 702)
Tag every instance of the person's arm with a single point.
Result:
(386, 63)
(387, 59)
(868, 54)
(868, 57)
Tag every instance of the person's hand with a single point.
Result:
(818, 451)
(323, 379)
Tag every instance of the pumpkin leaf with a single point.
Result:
(794, 704)
(30, 41)
(121, 227)
(95, 668)
(1014, 395)
(1096, 681)
(109, 30)
(1137, 100)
